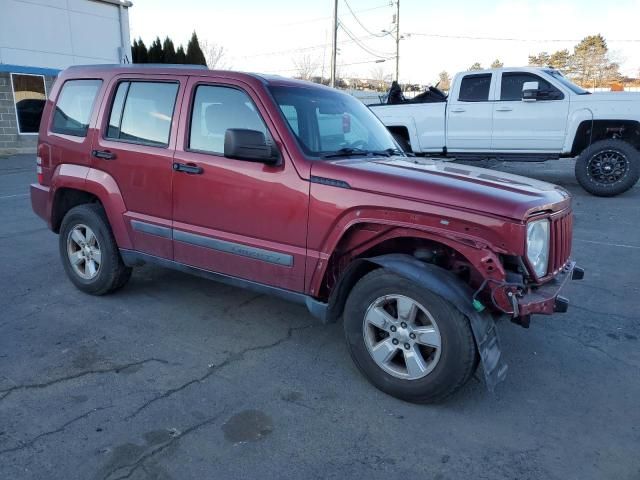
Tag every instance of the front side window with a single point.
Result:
(29, 96)
(511, 87)
(142, 111)
(326, 122)
(74, 107)
(217, 109)
(475, 88)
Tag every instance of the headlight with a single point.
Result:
(538, 246)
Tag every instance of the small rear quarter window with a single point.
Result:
(74, 107)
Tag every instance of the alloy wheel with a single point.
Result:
(83, 251)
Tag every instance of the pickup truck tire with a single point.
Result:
(608, 167)
(89, 251)
(423, 355)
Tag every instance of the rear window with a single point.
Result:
(142, 112)
(74, 107)
(475, 88)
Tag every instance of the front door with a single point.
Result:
(235, 217)
(135, 147)
(519, 125)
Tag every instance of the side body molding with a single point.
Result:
(447, 285)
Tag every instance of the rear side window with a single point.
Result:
(142, 112)
(74, 107)
(216, 109)
(475, 88)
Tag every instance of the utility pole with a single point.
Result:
(334, 44)
(398, 41)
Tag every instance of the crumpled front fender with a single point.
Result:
(448, 286)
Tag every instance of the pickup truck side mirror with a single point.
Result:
(251, 145)
(530, 91)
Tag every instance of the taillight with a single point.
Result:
(39, 169)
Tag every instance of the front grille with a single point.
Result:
(561, 233)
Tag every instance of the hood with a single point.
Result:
(449, 184)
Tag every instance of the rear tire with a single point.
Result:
(89, 251)
(428, 366)
(608, 167)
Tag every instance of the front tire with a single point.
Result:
(608, 167)
(408, 341)
(89, 251)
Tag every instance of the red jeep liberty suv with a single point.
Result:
(298, 190)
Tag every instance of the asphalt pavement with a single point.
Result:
(177, 377)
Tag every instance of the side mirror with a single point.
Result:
(250, 145)
(530, 91)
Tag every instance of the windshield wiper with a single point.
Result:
(350, 151)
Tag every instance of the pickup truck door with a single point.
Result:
(235, 217)
(533, 125)
(470, 114)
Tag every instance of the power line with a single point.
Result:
(369, 50)
(317, 19)
(361, 24)
(507, 39)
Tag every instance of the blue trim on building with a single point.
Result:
(6, 68)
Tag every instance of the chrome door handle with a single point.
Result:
(457, 110)
(504, 109)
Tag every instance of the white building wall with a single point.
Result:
(60, 33)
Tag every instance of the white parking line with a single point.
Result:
(621, 245)
(15, 196)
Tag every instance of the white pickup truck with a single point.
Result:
(525, 114)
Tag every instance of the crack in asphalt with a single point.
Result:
(139, 463)
(117, 368)
(30, 443)
(598, 349)
(595, 312)
(235, 357)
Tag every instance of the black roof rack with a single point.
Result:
(142, 65)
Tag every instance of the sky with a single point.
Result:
(271, 36)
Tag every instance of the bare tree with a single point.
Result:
(444, 81)
(497, 64)
(306, 66)
(380, 78)
(476, 66)
(215, 55)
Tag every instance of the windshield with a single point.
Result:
(567, 83)
(330, 123)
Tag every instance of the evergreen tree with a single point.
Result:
(168, 51)
(155, 52)
(476, 66)
(497, 64)
(444, 81)
(134, 51)
(194, 52)
(181, 57)
(143, 54)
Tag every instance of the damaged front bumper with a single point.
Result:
(545, 299)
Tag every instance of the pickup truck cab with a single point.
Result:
(299, 191)
(526, 114)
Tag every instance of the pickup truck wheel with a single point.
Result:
(408, 341)
(608, 167)
(89, 251)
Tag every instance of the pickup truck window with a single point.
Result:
(74, 107)
(475, 88)
(511, 87)
(216, 109)
(142, 111)
(566, 82)
(324, 121)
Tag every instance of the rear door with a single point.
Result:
(539, 125)
(470, 114)
(235, 217)
(135, 146)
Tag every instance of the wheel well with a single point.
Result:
(64, 200)
(344, 271)
(403, 133)
(591, 131)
